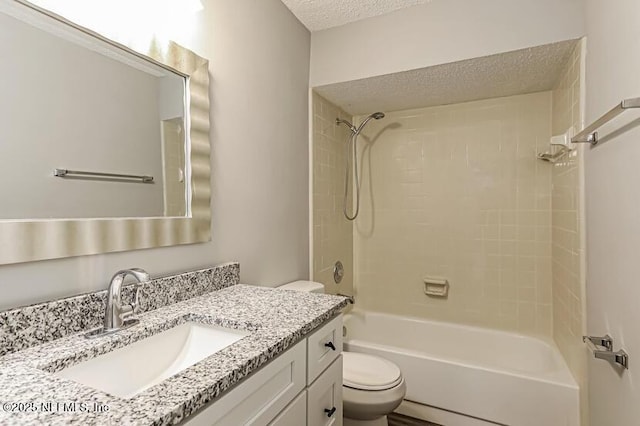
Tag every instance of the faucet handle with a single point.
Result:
(132, 308)
(141, 276)
(135, 305)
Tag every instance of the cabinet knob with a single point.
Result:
(330, 345)
(330, 412)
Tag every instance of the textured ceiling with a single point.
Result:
(522, 71)
(321, 14)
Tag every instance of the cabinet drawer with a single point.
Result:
(324, 397)
(295, 413)
(323, 347)
(257, 400)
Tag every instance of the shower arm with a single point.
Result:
(346, 123)
(356, 130)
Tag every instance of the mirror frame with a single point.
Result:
(29, 240)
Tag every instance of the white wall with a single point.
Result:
(259, 68)
(171, 93)
(438, 32)
(613, 208)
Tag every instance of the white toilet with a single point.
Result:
(372, 387)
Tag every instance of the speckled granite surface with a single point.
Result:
(276, 319)
(27, 326)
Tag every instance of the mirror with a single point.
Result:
(90, 108)
(103, 148)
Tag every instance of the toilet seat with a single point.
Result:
(369, 373)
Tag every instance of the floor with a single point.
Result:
(400, 420)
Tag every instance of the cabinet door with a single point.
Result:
(324, 397)
(259, 398)
(323, 347)
(295, 414)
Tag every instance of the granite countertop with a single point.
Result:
(276, 319)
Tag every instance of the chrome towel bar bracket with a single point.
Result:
(590, 135)
(602, 348)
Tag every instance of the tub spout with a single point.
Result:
(350, 299)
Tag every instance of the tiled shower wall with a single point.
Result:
(568, 245)
(332, 233)
(457, 192)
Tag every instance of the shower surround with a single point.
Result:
(456, 192)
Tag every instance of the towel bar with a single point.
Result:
(71, 173)
(590, 135)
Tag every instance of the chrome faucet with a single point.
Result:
(117, 314)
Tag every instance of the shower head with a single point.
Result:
(356, 131)
(376, 115)
(352, 146)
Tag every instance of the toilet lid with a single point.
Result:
(368, 372)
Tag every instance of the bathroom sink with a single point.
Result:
(129, 370)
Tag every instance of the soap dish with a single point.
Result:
(436, 287)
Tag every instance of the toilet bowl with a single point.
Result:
(372, 387)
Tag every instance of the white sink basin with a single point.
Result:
(136, 367)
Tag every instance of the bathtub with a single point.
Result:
(461, 375)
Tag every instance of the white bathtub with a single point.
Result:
(485, 375)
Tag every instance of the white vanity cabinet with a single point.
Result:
(324, 397)
(303, 386)
(292, 415)
(324, 375)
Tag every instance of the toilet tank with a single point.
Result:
(308, 286)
